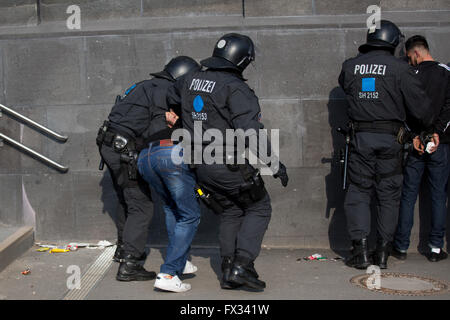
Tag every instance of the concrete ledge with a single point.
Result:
(219, 23)
(15, 245)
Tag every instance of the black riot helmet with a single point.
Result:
(178, 67)
(232, 51)
(388, 36)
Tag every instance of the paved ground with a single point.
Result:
(287, 278)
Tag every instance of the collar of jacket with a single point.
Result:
(231, 71)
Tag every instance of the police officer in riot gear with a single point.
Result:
(381, 90)
(218, 98)
(136, 116)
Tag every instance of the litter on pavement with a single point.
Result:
(73, 246)
(26, 271)
(319, 257)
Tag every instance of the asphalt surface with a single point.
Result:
(287, 274)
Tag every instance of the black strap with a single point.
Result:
(389, 127)
(108, 138)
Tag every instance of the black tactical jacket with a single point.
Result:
(380, 87)
(218, 99)
(141, 110)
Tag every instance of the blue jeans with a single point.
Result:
(176, 186)
(438, 167)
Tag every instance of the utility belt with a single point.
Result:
(389, 127)
(251, 191)
(119, 140)
(122, 143)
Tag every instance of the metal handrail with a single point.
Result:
(22, 147)
(34, 124)
(40, 128)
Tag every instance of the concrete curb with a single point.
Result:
(15, 245)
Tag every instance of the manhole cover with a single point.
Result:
(400, 284)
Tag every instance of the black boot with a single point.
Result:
(251, 269)
(131, 269)
(227, 264)
(382, 253)
(243, 273)
(119, 253)
(360, 258)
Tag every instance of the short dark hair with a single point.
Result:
(416, 41)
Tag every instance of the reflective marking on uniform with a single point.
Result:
(379, 69)
(444, 66)
(446, 127)
(198, 103)
(368, 84)
(202, 85)
(129, 89)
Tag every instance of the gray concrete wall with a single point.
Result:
(68, 79)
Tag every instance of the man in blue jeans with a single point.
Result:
(175, 183)
(436, 79)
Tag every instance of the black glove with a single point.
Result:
(282, 174)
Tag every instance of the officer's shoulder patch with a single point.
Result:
(129, 89)
(444, 66)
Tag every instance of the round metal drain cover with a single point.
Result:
(400, 284)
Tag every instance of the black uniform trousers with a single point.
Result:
(242, 227)
(135, 209)
(374, 166)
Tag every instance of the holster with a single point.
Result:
(209, 199)
(252, 190)
(103, 135)
(130, 159)
(123, 144)
(404, 135)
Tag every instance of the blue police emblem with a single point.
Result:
(198, 104)
(368, 84)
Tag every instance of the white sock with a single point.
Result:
(436, 250)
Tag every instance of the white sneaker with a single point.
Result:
(167, 282)
(189, 268)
